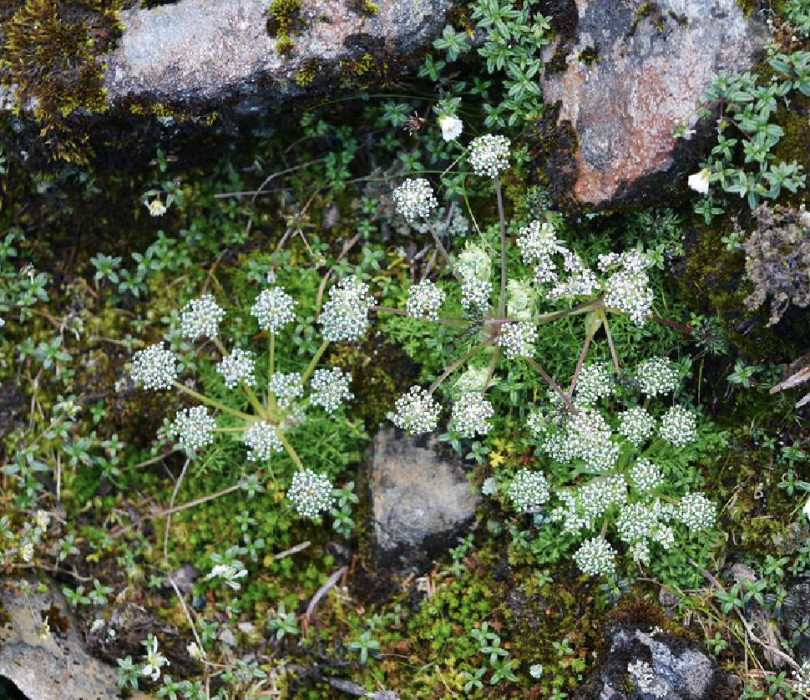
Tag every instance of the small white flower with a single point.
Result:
(238, 367)
(310, 494)
(261, 440)
(471, 415)
(414, 199)
(154, 659)
(451, 127)
(154, 368)
(201, 317)
(330, 388)
(42, 519)
(596, 557)
(195, 652)
(699, 182)
(193, 428)
(345, 314)
(807, 509)
(156, 208)
(424, 300)
(528, 491)
(518, 339)
(489, 155)
(286, 388)
(273, 309)
(536, 671)
(678, 426)
(696, 512)
(416, 412)
(27, 552)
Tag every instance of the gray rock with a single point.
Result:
(419, 501)
(210, 51)
(640, 663)
(55, 666)
(631, 76)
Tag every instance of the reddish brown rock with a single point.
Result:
(631, 77)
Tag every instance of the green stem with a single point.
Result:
(613, 355)
(271, 363)
(453, 367)
(213, 403)
(493, 363)
(556, 387)
(254, 400)
(502, 218)
(290, 451)
(314, 362)
(583, 308)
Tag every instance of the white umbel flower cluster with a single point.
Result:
(415, 200)
(201, 317)
(657, 376)
(154, 368)
(489, 155)
(538, 244)
(628, 288)
(273, 309)
(528, 491)
(471, 415)
(518, 339)
(595, 382)
(475, 268)
(286, 387)
(646, 476)
(330, 388)
(416, 412)
(424, 300)
(594, 499)
(262, 440)
(596, 557)
(586, 436)
(637, 425)
(193, 428)
(345, 314)
(310, 494)
(238, 367)
(696, 512)
(678, 426)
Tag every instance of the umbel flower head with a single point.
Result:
(201, 317)
(596, 557)
(528, 491)
(416, 412)
(274, 309)
(261, 440)
(424, 300)
(489, 155)
(518, 339)
(414, 199)
(310, 494)
(330, 388)
(345, 314)
(286, 388)
(193, 428)
(657, 376)
(154, 368)
(678, 426)
(238, 367)
(471, 415)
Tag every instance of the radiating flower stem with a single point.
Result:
(613, 355)
(453, 367)
(502, 218)
(314, 361)
(290, 451)
(556, 387)
(212, 402)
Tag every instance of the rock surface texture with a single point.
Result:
(419, 501)
(211, 51)
(52, 667)
(640, 663)
(632, 74)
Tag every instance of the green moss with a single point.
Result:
(53, 60)
(307, 74)
(283, 16)
(365, 8)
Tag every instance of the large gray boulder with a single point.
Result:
(215, 52)
(420, 502)
(632, 73)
